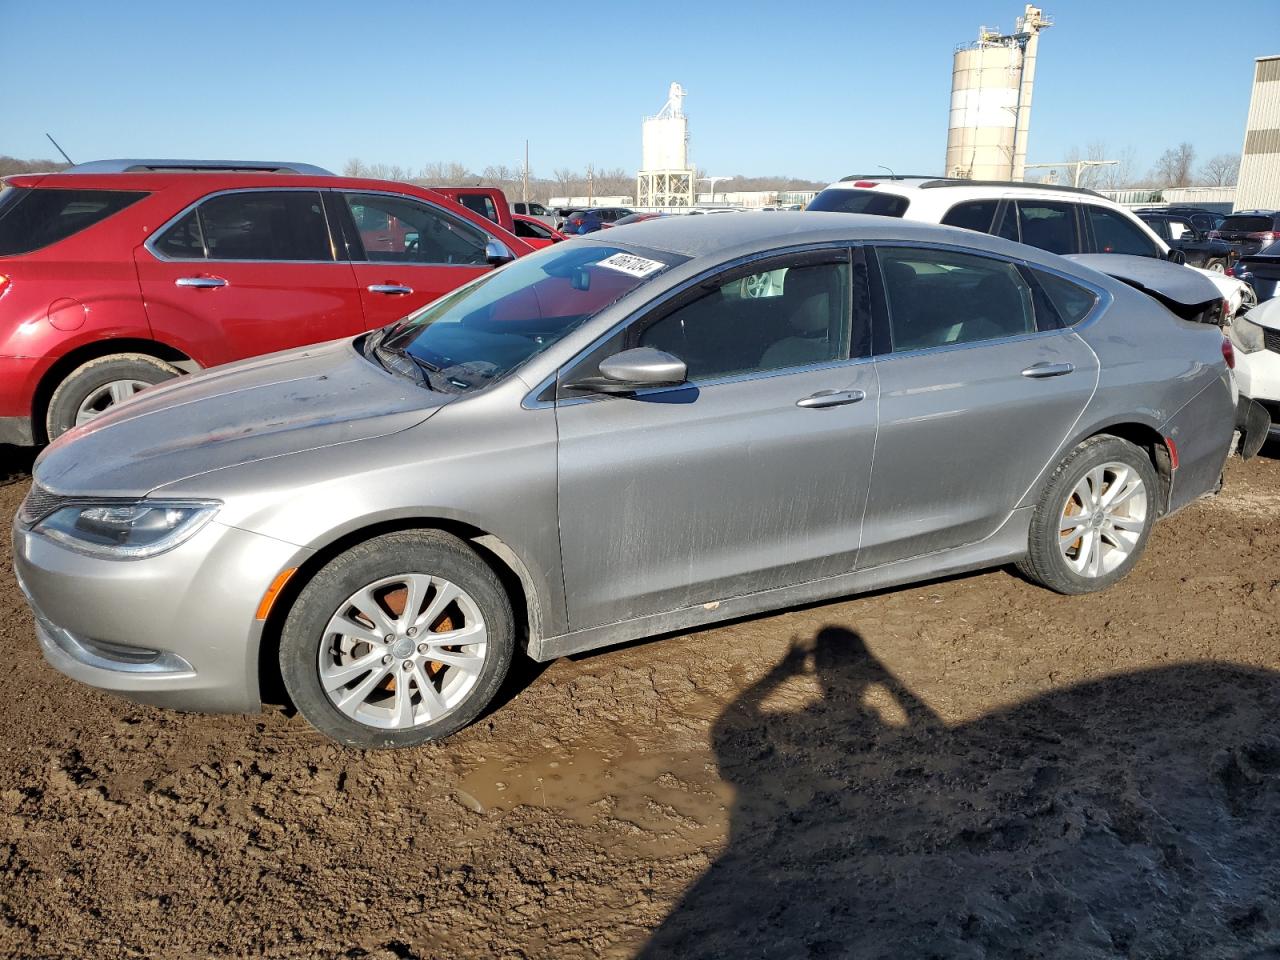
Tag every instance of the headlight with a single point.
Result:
(1247, 335)
(127, 531)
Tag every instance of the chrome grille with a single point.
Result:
(39, 504)
(1271, 339)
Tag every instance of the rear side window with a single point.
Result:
(974, 215)
(860, 201)
(1115, 233)
(1048, 225)
(35, 217)
(1071, 301)
(937, 298)
(279, 225)
(1247, 224)
(479, 203)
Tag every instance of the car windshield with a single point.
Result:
(477, 334)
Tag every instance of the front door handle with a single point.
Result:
(1042, 371)
(830, 398)
(391, 289)
(200, 282)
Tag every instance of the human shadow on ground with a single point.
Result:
(1132, 816)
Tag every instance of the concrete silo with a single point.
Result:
(665, 178)
(991, 86)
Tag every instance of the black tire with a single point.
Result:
(428, 552)
(1045, 562)
(89, 378)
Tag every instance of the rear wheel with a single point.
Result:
(402, 639)
(93, 388)
(1216, 265)
(1094, 518)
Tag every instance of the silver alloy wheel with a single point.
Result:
(403, 651)
(107, 396)
(1103, 519)
(1217, 267)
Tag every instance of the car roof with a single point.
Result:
(197, 166)
(912, 183)
(744, 233)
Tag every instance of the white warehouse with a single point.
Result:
(1259, 183)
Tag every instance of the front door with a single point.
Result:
(412, 253)
(246, 273)
(980, 383)
(751, 476)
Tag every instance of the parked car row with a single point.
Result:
(639, 431)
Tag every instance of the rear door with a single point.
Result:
(247, 272)
(406, 252)
(979, 386)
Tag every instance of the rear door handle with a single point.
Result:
(391, 289)
(200, 282)
(1042, 371)
(831, 398)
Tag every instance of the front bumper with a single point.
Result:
(177, 630)
(1258, 376)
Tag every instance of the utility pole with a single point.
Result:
(591, 184)
(524, 184)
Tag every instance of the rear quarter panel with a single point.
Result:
(1165, 373)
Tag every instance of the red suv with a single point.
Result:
(119, 274)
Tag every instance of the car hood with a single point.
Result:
(270, 406)
(1266, 314)
(1160, 278)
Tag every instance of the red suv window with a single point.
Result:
(32, 218)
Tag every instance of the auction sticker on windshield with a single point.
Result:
(630, 263)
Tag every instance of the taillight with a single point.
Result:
(1228, 353)
(866, 183)
(4, 282)
(1230, 271)
(1215, 235)
(1266, 236)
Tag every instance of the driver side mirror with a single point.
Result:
(1176, 256)
(496, 253)
(633, 370)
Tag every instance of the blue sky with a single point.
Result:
(814, 90)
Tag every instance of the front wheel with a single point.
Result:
(1094, 517)
(1216, 265)
(402, 639)
(95, 387)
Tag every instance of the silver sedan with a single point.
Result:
(657, 427)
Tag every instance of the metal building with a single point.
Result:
(666, 178)
(1259, 185)
(991, 84)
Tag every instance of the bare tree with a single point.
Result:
(353, 168)
(1173, 169)
(1220, 171)
(1119, 175)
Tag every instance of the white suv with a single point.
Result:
(1256, 336)
(1063, 220)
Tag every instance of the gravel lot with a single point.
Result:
(969, 768)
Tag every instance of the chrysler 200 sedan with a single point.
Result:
(660, 426)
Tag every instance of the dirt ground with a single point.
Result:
(965, 769)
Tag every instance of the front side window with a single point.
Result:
(873, 202)
(401, 230)
(939, 298)
(1180, 229)
(1113, 232)
(537, 231)
(473, 336)
(790, 316)
(254, 225)
(35, 217)
(1048, 225)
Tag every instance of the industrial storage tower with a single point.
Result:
(1259, 182)
(665, 178)
(991, 101)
